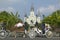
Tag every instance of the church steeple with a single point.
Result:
(32, 8)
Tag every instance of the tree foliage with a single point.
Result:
(53, 19)
(9, 18)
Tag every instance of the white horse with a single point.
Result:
(32, 33)
(37, 30)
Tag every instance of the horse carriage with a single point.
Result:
(32, 32)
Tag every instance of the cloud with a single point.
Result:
(48, 9)
(13, 1)
(9, 1)
(9, 9)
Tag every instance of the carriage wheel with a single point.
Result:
(49, 34)
(32, 34)
(3, 34)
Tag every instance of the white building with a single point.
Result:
(32, 18)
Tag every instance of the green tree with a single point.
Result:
(53, 19)
(9, 18)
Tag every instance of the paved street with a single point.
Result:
(37, 38)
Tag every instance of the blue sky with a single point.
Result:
(45, 7)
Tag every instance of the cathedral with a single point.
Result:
(32, 18)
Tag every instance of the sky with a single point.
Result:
(45, 7)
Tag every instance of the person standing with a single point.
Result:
(43, 28)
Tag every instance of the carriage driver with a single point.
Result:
(43, 28)
(47, 27)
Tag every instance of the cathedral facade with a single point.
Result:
(32, 18)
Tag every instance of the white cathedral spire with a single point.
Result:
(32, 10)
(32, 7)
